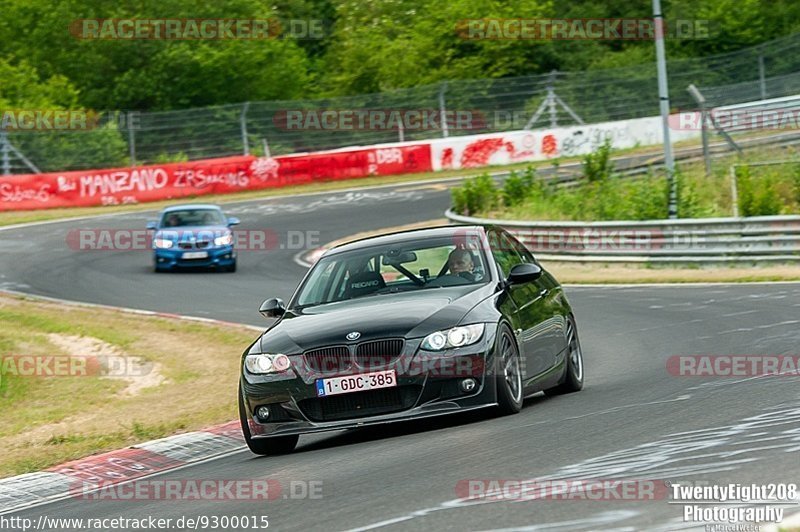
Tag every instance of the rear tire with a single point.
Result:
(264, 447)
(508, 372)
(573, 379)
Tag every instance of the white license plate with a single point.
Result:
(195, 255)
(356, 383)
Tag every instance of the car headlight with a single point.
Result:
(455, 337)
(163, 243)
(263, 364)
(224, 240)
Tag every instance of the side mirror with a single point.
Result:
(152, 225)
(523, 273)
(272, 308)
(233, 221)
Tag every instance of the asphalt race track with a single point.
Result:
(633, 420)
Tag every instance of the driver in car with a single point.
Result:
(460, 263)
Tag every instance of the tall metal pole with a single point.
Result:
(663, 97)
(762, 77)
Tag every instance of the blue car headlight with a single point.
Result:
(224, 240)
(455, 337)
(163, 243)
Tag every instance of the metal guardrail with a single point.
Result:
(752, 239)
(778, 113)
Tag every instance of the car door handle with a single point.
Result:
(543, 292)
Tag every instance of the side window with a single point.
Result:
(523, 252)
(504, 252)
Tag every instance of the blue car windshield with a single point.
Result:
(192, 218)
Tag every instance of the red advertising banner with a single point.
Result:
(120, 186)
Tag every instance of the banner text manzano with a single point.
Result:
(211, 176)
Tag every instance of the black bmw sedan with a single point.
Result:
(404, 326)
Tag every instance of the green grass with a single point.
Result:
(46, 420)
(603, 195)
(34, 322)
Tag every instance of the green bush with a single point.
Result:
(597, 165)
(517, 187)
(757, 196)
(602, 195)
(478, 194)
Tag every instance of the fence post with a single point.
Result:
(551, 99)
(701, 101)
(243, 121)
(734, 191)
(443, 110)
(704, 134)
(132, 137)
(762, 77)
(6, 153)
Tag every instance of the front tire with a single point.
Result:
(264, 447)
(508, 372)
(573, 380)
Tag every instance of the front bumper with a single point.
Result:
(167, 259)
(428, 385)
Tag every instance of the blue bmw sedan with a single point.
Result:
(193, 236)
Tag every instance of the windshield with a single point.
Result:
(192, 218)
(398, 267)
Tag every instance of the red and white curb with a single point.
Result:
(79, 477)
